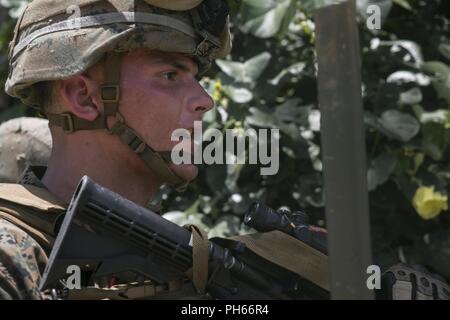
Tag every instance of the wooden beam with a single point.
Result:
(343, 150)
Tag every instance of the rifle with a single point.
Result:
(105, 235)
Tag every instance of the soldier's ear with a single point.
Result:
(80, 94)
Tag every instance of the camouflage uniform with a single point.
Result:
(22, 258)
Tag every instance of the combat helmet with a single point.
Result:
(57, 39)
(23, 141)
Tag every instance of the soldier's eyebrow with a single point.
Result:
(178, 64)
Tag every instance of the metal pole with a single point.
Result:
(343, 150)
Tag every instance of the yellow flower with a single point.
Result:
(429, 203)
(224, 102)
(217, 93)
(218, 85)
(216, 96)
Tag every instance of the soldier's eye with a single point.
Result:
(170, 75)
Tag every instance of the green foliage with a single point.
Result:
(9, 108)
(15, 7)
(269, 81)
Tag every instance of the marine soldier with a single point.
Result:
(114, 82)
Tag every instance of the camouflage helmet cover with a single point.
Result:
(56, 39)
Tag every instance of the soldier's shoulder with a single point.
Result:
(22, 260)
(30, 195)
(28, 215)
(32, 208)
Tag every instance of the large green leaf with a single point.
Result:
(269, 23)
(261, 4)
(183, 218)
(380, 169)
(226, 226)
(287, 20)
(436, 138)
(441, 77)
(410, 97)
(16, 6)
(400, 126)
(311, 5)
(401, 77)
(260, 118)
(411, 51)
(248, 71)
(444, 49)
(238, 95)
(290, 111)
(406, 185)
(404, 4)
(438, 116)
(294, 69)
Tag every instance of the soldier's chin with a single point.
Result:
(185, 171)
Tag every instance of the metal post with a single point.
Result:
(343, 150)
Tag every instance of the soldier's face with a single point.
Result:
(159, 94)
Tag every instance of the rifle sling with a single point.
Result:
(278, 247)
(200, 256)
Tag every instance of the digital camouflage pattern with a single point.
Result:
(22, 261)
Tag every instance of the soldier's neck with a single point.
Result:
(130, 180)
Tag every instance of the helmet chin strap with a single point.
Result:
(110, 96)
